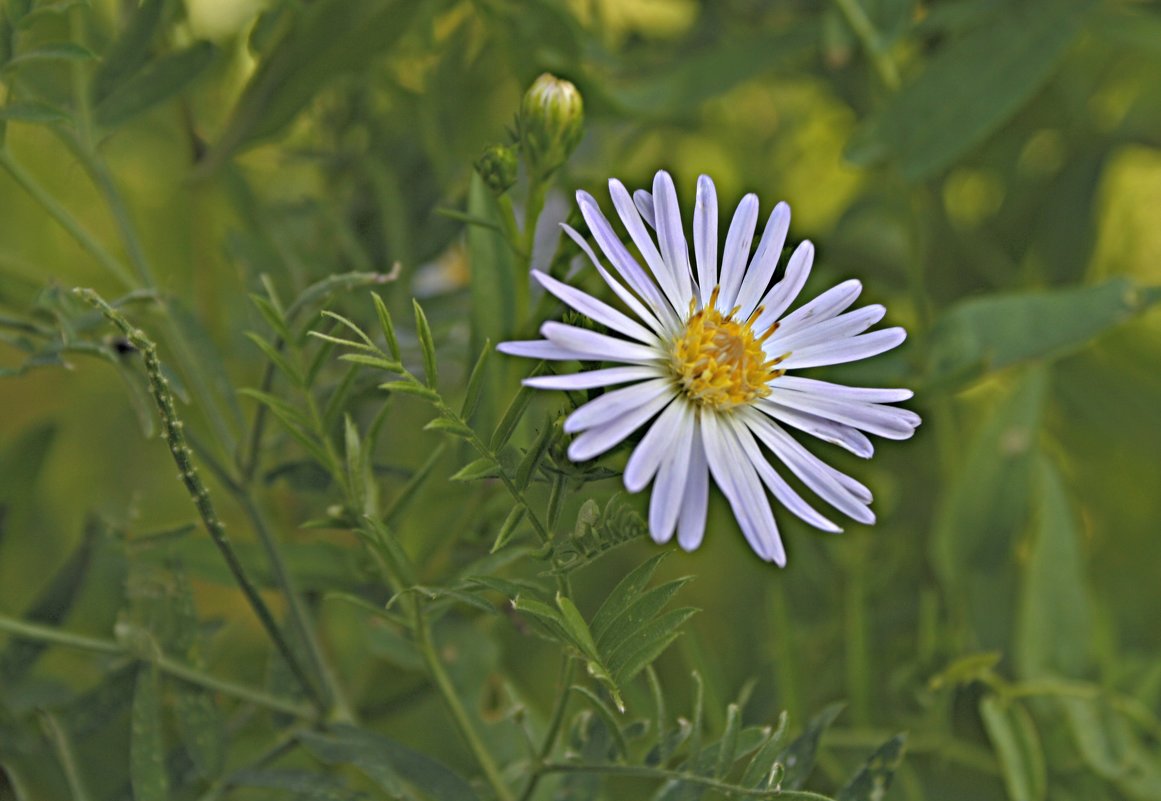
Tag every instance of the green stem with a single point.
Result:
(871, 40)
(644, 772)
(174, 436)
(67, 756)
(567, 669)
(66, 220)
(166, 664)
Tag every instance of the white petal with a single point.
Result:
(622, 261)
(891, 422)
(595, 309)
(842, 327)
(671, 235)
(627, 297)
(765, 259)
(827, 389)
(778, 486)
(691, 522)
(644, 203)
(540, 349)
(665, 502)
(593, 378)
(739, 483)
(783, 293)
(608, 407)
(851, 349)
(661, 269)
(819, 477)
(705, 236)
(595, 441)
(844, 436)
(605, 347)
(737, 252)
(655, 445)
(830, 303)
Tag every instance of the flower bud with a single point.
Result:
(551, 122)
(497, 166)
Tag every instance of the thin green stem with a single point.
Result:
(63, 746)
(856, 17)
(175, 438)
(166, 664)
(66, 220)
(567, 669)
(644, 772)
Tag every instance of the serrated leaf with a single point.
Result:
(873, 779)
(1017, 744)
(158, 81)
(626, 590)
(971, 88)
(989, 333)
(798, 757)
(147, 771)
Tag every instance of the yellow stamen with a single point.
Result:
(718, 360)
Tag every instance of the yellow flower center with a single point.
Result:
(718, 360)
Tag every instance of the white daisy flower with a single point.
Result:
(709, 359)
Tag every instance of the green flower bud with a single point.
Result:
(498, 166)
(551, 122)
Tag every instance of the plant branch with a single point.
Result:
(856, 17)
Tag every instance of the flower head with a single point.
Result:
(708, 358)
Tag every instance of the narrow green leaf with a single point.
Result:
(1017, 744)
(408, 387)
(1109, 746)
(966, 669)
(353, 449)
(146, 744)
(50, 52)
(158, 81)
(551, 619)
(728, 745)
(511, 522)
(971, 88)
(353, 327)
(646, 644)
(277, 358)
(33, 112)
(534, 455)
(475, 386)
(450, 426)
(372, 361)
(295, 422)
(273, 316)
(873, 779)
(607, 715)
(426, 344)
(992, 332)
(1054, 631)
(130, 50)
(388, 327)
(511, 418)
(626, 590)
(636, 613)
(759, 771)
(410, 491)
(476, 470)
(798, 757)
(577, 627)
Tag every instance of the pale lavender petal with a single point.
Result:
(656, 443)
(777, 485)
(705, 237)
(891, 422)
(830, 303)
(765, 259)
(603, 346)
(739, 483)
(540, 349)
(622, 261)
(783, 293)
(594, 378)
(595, 441)
(644, 203)
(665, 502)
(595, 309)
(737, 252)
(851, 349)
(818, 476)
(844, 436)
(627, 297)
(691, 521)
(661, 268)
(608, 407)
(827, 389)
(842, 327)
(671, 235)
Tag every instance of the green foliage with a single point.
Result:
(378, 575)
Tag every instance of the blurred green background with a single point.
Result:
(990, 170)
